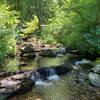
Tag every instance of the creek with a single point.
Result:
(55, 88)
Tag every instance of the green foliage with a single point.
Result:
(76, 24)
(12, 65)
(49, 38)
(31, 26)
(8, 23)
(84, 16)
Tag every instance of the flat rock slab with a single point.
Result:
(14, 83)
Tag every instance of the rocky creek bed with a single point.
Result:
(80, 82)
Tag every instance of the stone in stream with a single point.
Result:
(96, 69)
(27, 51)
(70, 50)
(52, 52)
(29, 55)
(94, 79)
(16, 84)
(61, 50)
(47, 53)
(84, 64)
(94, 76)
(22, 64)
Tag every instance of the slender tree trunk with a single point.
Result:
(37, 6)
(17, 5)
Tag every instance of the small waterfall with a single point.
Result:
(35, 76)
(53, 75)
(51, 72)
(38, 79)
(42, 76)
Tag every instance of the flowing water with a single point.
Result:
(55, 88)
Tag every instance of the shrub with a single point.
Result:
(8, 23)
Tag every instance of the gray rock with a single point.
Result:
(96, 69)
(83, 61)
(16, 84)
(94, 79)
(61, 50)
(29, 55)
(47, 53)
(27, 51)
(84, 64)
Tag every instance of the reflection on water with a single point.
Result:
(62, 89)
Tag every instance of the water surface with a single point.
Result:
(64, 88)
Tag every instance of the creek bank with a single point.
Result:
(30, 45)
(87, 55)
(30, 51)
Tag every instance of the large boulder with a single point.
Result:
(16, 84)
(94, 79)
(94, 76)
